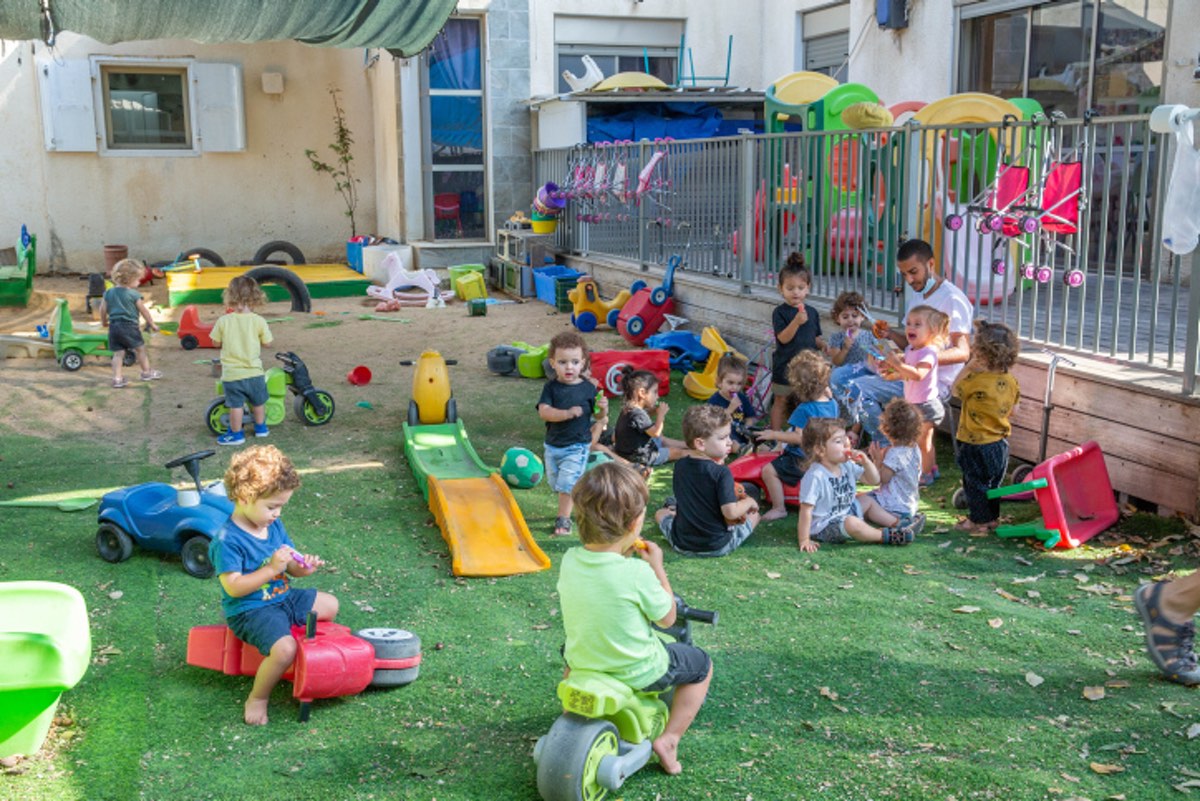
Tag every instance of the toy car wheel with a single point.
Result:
(451, 411)
(959, 501)
(71, 360)
(308, 412)
(998, 266)
(658, 296)
(217, 416)
(392, 644)
(954, 222)
(1021, 474)
(1027, 271)
(1029, 225)
(570, 757)
(995, 223)
(1044, 274)
(1073, 278)
(112, 543)
(414, 414)
(635, 325)
(611, 320)
(637, 286)
(129, 359)
(189, 342)
(194, 554)
(585, 321)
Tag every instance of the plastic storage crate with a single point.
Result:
(518, 279)
(552, 284)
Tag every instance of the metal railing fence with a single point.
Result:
(1052, 226)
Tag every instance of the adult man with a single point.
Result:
(923, 285)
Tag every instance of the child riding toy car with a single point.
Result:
(313, 406)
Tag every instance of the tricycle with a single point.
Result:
(605, 732)
(159, 517)
(313, 406)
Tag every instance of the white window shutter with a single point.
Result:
(68, 105)
(220, 113)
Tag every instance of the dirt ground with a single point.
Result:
(332, 340)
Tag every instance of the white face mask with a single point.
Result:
(930, 283)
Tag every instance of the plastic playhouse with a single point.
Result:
(45, 648)
(16, 280)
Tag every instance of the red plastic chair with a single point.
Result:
(447, 206)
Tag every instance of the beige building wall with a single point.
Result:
(228, 202)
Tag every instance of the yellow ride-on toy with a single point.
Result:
(431, 401)
(589, 309)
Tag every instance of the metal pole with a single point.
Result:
(746, 240)
(1193, 327)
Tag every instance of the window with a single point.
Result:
(825, 35)
(618, 44)
(660, 62)
(456, 183)
(146, 108)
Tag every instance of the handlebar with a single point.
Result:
(699, 615)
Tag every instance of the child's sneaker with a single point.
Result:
(897, 535)
(232, 438)
(562, 526)
(261, 430)
(916, 523)
(927, 479)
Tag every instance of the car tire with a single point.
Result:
(297, 289)
(392, 644)
(194, 554)
(569, 756)
(204, 254)
(113, 543)
(263, 254)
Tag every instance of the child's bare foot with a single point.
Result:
(774, 514)
(666, 748)
(256, 711)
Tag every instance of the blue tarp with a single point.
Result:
(662, 120)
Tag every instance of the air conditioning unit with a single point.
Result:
(891, 14)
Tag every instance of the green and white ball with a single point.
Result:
(595, 458)
(521, 468)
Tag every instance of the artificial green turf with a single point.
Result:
(844, 674)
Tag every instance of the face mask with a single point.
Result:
(930, 283)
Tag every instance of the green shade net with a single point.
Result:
(403, 27)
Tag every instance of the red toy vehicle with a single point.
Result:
(643, 314)
(608, 364)
(747, 470)
(193, 333)
(330, 661)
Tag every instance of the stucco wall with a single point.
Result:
(229, 202)
(914, 63)
(1182, 52)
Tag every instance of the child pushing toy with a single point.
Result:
(120, 309)
(241, 334)
(638, 436)
(829, 510)
(255, 560)
(732, 371)
(609, 601)
(567, 405)
(988, 392)
(797, 328)
(707, 517)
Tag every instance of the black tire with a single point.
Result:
(451, 411)
(71, 360)
(194, 554)
(301, 300)
(112, 543)
(217, 416)
(205, 254)
(263, 254)
(1021, 474)
(959, 501)
(392, 644)
(129, 359)
(414, 413)
(569, 756)
(307, 412)
(189, 342)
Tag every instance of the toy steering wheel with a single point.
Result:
(182, 460)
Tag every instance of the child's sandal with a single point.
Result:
(562, 526)
(1169, 645)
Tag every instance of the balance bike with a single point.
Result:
(313, 406)
(605, 733)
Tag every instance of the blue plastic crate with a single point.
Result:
(545, 281)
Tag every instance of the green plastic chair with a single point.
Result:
(45, 648)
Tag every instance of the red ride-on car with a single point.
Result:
(193, 333)
(644, 313)
(331, 661)
(747, 470)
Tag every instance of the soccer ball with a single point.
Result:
(595, 458)
(521, 468)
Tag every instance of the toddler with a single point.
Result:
(926, 330)
(899, 464)
(732, 371)
(707, 516)
(988, 392)
(638, 436)
(797, 328)
(829, 510)
(808, 376)
(255, 558)
(849, 347)
(567, 406)
(241, 334)
(610, 602)
(120, 309)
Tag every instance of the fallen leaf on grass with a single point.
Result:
(540, 626)
(995, 622)
(1033, 679)
(845, 586)
(1186, 787)
(1006, 595)
(954, 647)
(1028, 579)
(828, 693)
(773, 575)
(1117, 684)
(1193, 731)
(1104, 770)
(1021, 560)
(115, 594)
(108, 650)
(1169, 708)
(1082, 578)
(965, 610)
(1093, 693)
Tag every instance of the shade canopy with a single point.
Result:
(403, 27)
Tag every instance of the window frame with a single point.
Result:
(102, 66)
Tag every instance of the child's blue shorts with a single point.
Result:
(564, 466)
(267, 625)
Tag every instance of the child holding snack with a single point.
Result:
(255, 560)
(926, 330)
(809, 380)
(797, 328)
(567, 406)
(732, 371)
(707, 517)
(609, 601)
(121, 308)
(988, 392)
(242, 333)
(638, 436)
(849, 347)
(829, 510)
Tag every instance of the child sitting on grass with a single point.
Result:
(808, 376)
(988, 392)
(829, 510)
(638, 436)
(242, 333)
(120, 309)
(900, 463)
(732, 371)
(706, 517)
(254, 558)
(609, 602)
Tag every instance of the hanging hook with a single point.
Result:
(49, 32)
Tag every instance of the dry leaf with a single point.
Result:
(1193, 731)
(1033, 679)
(1082, 578)
(965, 610)
(115, 594)
(1104, 770)
(773, 575)
(1093, 693)
(540, 626)
(1117, 684)
(1006, 595)
(995, 622)
(828, 693)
